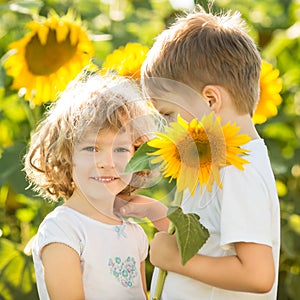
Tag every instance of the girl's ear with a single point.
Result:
(213, 96)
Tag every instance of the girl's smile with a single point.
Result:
(105, 179)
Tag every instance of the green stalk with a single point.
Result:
(162, 274)
(33, 112)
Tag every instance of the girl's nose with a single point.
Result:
(105, 160)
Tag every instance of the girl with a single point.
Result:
(83, 248)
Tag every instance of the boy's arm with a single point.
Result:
(140, 206)
(250, 270)
(62, 272)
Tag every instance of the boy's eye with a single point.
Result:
(169, 117)
(90, 149)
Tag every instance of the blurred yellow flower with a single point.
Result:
(126, 61)
(44, 61)
(194, 152)
(270, 87)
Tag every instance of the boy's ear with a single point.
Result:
(213, 96)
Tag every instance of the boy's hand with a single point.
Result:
(164, 252)
(140, 206)
(250, 270)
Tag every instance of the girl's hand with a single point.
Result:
(140, 206)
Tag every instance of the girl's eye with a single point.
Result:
(122, 149)
(90, 149)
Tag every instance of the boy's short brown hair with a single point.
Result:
(201, 48)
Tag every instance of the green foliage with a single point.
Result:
(11, 164)
(190, 233)
(17, 273)
(275, 30)
(141, 159)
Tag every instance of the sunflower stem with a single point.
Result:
(29, 113)
(162, 274)
(177, 198)
(37, 113)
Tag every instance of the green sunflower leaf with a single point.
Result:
(190, 233)
(141, 160)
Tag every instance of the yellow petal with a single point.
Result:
(43, 34)
(62, 32)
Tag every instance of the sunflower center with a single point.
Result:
(192, 151)
(47, 59)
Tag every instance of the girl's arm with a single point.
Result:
(250, 270)
(62, 272)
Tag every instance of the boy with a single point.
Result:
(214, 55)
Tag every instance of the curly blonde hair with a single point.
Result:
(90, 102)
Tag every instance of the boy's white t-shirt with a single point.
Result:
(110, 255)
(246, 209)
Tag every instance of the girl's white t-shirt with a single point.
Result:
(110, 255)
(246, 209)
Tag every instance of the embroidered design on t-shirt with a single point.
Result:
(123, 271)
(120, 230)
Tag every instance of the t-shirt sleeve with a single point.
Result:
(143, 243)
(246, 208)
(57, 230)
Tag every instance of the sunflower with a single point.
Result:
(126, 61)
(194, 152)
(270, 87)
(44, 61)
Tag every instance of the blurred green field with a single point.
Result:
(275, 26)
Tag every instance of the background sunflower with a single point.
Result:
(270, 87)
(47, 58)
(126, 60)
